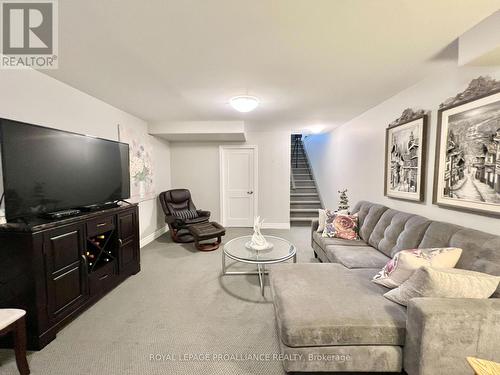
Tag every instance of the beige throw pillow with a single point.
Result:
(406, 262)
(321, 220)
(444, 283)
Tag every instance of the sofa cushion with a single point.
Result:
(356, 257)
(481, 251)
(396, 231)
(329, 305)
(438, 234)
(412, 234)
(369, 215)
(323, 242)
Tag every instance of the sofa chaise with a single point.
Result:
(332, 317)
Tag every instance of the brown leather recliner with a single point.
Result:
(177, 204)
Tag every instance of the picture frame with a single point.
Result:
(405, 156)
(467, 165)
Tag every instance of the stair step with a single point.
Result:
(294, 199)
(305, 202)
(315, 206)
(302, 219)
(305, 183)
(305, 189)
(302, 194)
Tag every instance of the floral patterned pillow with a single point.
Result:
(341, 226)
(402, 266)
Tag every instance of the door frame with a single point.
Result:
(222, 150)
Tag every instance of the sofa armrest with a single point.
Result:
(442, 332)
(314, 225)
(314, 228)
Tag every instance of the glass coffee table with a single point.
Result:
(236, 249)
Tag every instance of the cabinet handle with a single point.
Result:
(84, 259)
(120, 241)
(102, 224)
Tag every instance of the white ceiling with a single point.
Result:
(309, 61)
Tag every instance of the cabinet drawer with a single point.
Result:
(103, 278)
(99, 226)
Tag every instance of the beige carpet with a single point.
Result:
(177, 306)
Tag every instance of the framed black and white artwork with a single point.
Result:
(467, 172)
(406, 140)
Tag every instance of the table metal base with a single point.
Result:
(260, 271)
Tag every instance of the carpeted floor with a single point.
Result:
(177, 306)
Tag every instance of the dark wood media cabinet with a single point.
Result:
(56, 269)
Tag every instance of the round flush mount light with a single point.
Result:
(244, 103)
(316, 129)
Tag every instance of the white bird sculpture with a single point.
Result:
(258, 241)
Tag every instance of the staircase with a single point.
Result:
(304, 197)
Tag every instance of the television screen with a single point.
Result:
(48, 170)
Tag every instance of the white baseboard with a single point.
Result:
(276, 225)
(153, 236)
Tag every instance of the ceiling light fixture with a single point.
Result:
(316, 129)
(244, 103)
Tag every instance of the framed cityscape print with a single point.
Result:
(467, 172)
(405, 154)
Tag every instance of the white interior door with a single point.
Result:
(238, 184)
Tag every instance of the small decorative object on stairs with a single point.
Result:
(343, 201)
(258, 241)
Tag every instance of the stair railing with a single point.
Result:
(295, 151)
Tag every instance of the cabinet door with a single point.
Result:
(128, 232)
(66, 270)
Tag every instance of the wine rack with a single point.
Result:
(99, 251)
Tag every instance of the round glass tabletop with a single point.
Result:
(281, 251)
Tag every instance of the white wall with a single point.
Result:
(195, 165)
(352, 156)
(33, 97)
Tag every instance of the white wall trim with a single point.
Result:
(276, 225)
(255, 172)
(153, 236)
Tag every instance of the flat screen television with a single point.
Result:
(47, 170)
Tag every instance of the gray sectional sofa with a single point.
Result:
(331, 317)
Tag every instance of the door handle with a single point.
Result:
(250, 192)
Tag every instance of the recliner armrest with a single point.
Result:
(171, 220)
(442, 332)
(203, 213)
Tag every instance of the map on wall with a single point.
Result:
(141, 163)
